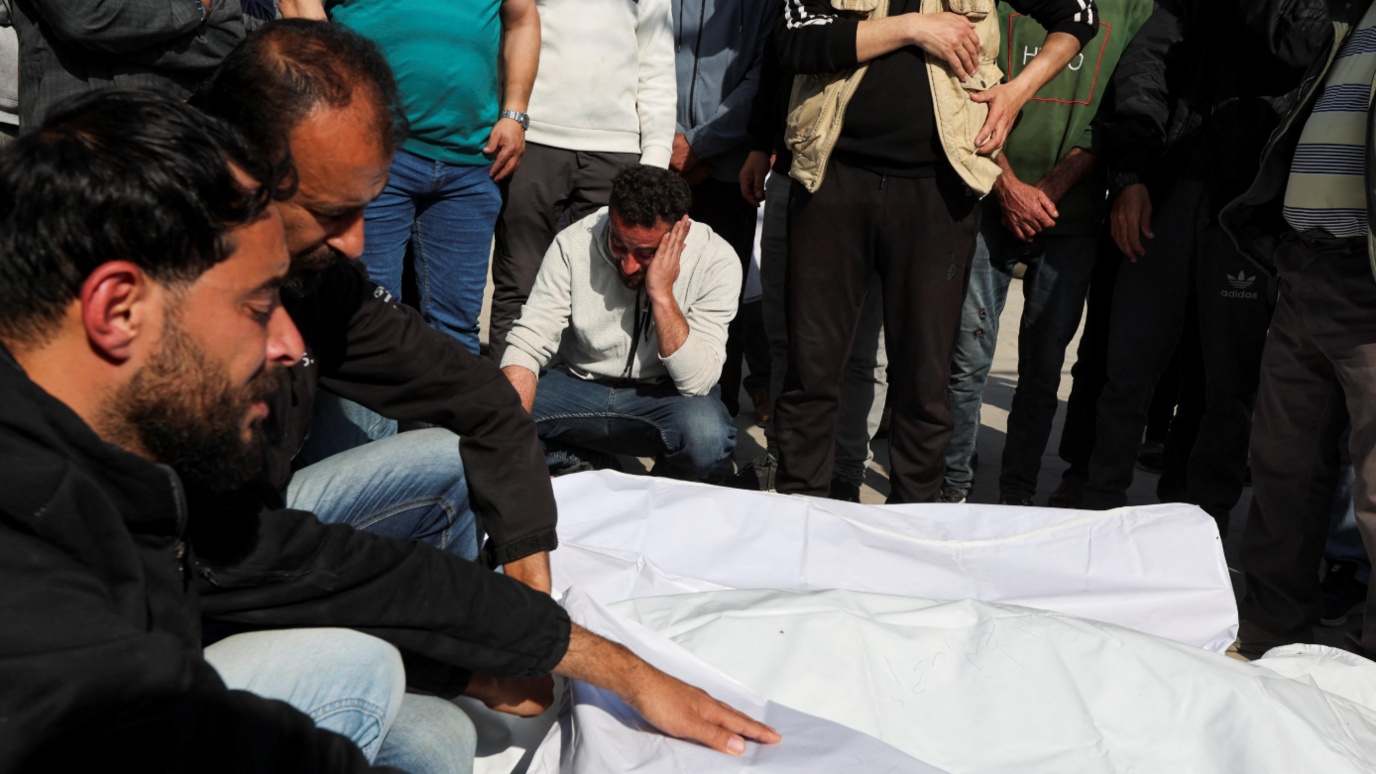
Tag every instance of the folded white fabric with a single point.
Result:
(1157, 569)
(959, 687)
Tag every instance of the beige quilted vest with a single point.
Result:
(817, 104)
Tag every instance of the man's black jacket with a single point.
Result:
(104, 578)
(1203, 84)
(362, 345)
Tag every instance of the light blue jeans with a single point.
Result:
(354, 685)
(408, 486)
(446, 213)
(1054, 290)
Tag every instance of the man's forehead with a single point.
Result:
(339, 157)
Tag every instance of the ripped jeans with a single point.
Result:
(690, 437)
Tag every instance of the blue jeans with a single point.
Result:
(1054, 288)
(689, 437)
(409, 486)
(446, 213)
(354, 685)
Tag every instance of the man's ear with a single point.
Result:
(114, 301)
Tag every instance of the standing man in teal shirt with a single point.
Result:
(467, 133)
(1047, 211)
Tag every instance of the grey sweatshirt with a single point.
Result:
(580, 300)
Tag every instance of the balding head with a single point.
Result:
(292, 68)
(326, 97)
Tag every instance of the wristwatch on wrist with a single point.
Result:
(518, 117)
(1120, 180)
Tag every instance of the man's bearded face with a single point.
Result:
(187, 413)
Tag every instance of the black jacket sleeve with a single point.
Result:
(1295, 32)
(85, 688)
(383, 355)
(814, 39)
(765, 119)
(1132, 121)
(1074, 17)
(283, 569)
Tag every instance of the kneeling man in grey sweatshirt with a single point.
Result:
(629, 313)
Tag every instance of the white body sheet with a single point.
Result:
(820, 619)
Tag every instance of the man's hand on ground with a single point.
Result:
(525, 381)
(754, 172)
(1131, 220)
(521, 696)
(1026, 209)
(508, 142)
(664, 267)
(672, 706)
(531, 570)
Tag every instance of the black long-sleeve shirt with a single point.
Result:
(890, 126)
(364, 346)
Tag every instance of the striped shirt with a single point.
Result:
(1327, 189)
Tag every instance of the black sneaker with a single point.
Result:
(1071, 492)
(756, 475)
(1341, 593)
(950, 494)
(844, 490)
(1015, 498)
(1152, 457)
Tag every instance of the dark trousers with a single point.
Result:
(1090, 371)
(919, 235)
(551, 183)
(720, 205)
(1149, 312)
(1318, 373)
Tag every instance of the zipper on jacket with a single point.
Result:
(693, 84)
(882, 179)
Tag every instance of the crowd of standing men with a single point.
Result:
(224, 459)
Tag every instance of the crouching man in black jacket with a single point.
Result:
(142, 332)
(328, 95)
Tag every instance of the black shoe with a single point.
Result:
(950, 494)
(756, 475)
(1152, 457)
(1015, 498)
(844, 490)
(1341, 593)
(1071, 492)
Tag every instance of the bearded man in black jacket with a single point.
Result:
(326, 96)
(143, 333)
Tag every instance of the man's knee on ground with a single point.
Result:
(706, 437)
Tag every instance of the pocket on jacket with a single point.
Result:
(976, 9)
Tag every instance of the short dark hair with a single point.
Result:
(117, 174)
(643, 195)
(288, 68)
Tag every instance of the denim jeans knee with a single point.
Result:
(700, 437)
(346, 681)
(430, 736)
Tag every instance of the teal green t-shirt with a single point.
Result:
(1057, 120)
(444, 55)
